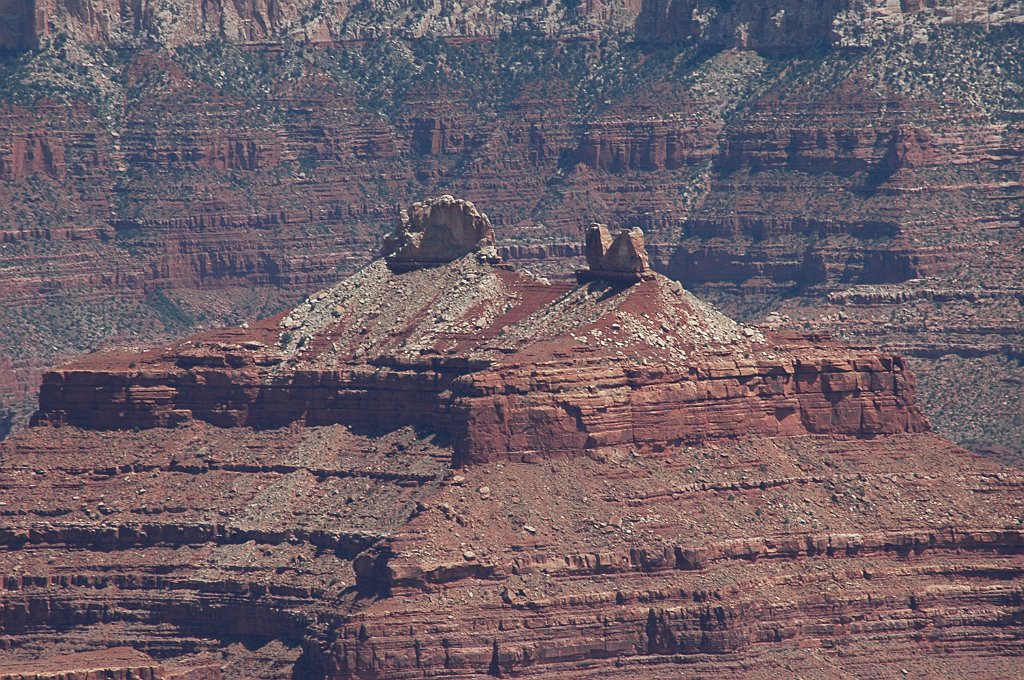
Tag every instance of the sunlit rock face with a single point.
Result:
(437, 231)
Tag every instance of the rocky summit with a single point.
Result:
(622, 257)
(446, 466)
(438, 231)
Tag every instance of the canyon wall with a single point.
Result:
(556, 397)
(504, 415)
(777, 508)
(335, 555)
(35, 23)
(794, 26)
(209, 175)
(784, 27)
(451, 466)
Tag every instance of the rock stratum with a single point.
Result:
(779, 25)
(852, 165)
(463, 469)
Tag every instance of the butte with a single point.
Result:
(446, 468)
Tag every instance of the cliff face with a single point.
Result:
(122, 663)
(788, 26)
(168, 166)
(35, 23)
(510, 368)
(794, 26)
(173, 23)
(461, 469)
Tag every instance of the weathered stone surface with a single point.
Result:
(872, 188)
(642, 483)
(597, 242)
(508, 365)
(743, 552)
(622, 258)
(120, 663)
(790, 26)
(146, 190)
(172, 22)
(437, 231)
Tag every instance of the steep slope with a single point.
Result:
(456, 469)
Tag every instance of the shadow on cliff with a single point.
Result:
(6, 423)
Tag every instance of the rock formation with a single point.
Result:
(121, 663)
(623, 257)
(793, 26)
(479, 364)
(34, 23)
(787, 26)
(769, 26)
(464, 470)
(437, 231)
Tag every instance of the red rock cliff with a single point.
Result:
(512, 366)
(461, 470)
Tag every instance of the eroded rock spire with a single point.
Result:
(619, 258)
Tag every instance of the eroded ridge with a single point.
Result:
(511, 366)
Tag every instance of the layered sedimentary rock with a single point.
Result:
(508, 365)
(744, 557)
(115, 664)
(654, 567)
(797, 26)
(206, 547)
(789, 26)
(777, 222)
(463, 470)
(223, 160)
(36, 22)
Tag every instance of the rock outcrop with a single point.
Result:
(792, 26)
(121, 663)
(786, 26)
(175, 23)
(463, 470)
(619, 258)
(35, 23)
(438, 231)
